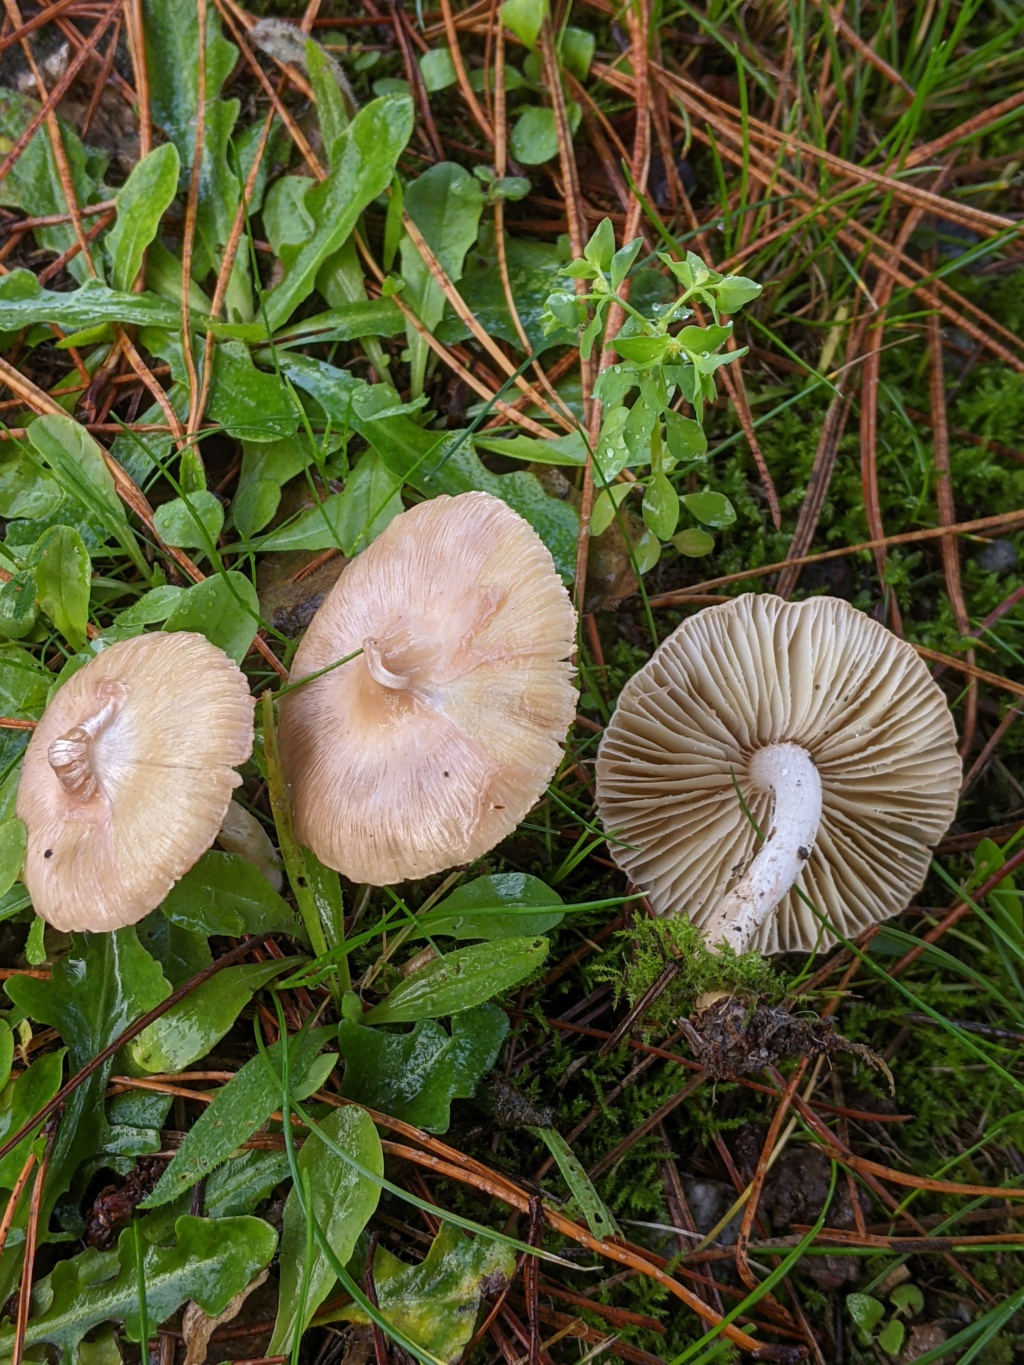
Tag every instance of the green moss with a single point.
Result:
(674, 953)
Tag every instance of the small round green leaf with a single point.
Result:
(534, 138)
(190, 523)
(694, 543)
(661, 507)
(711, 509)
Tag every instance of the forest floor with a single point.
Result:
(363, 195)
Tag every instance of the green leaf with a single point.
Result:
(266, 467)
(570, 449)
(12, 853)
(78, 464)
(254, 505)
(643, 350)
(240, 1108)
(989, 858)
(349, 520)
(286, 220)
(192, 523)
(600, 250)
(342, 1201)
(432, 462)
(458, 981)
(212, 1260)
(197, 1023)
(152, 607)
(866, 1312)
(605, 505)
(246, 402)
(646, 552)
(25, 490)
(34, 1088)
(533, 269)
(63, 574)
(685, 437)
(18, 609)
(171, 29)
(890, 1338)
(701, 340)
(415, 1076)
(907, 1299)
(661, 506)
(103, 984)
(591, 1205)
(24, 688)
(369, 503)
(694, 543)
(349, 322)
(712, 509)
(525, 18)
(534, 137)
(224, 608)
(438, 69)
(225, 894)
(576, 51)
(243, 1182)
(733, 291)
(325, 76)
(436, 1303)
(364, 158)
(445, 203)
(503, 905)
(142, 201)
(6, 1054)
(33, 183)
(24, 303)
(623, 260)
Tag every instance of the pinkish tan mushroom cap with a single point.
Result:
(128, 776)
(842, 747)
(430, 747)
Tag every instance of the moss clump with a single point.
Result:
(654, 945)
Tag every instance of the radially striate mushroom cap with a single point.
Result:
(128, 776)
(433, 745)
(760, 671)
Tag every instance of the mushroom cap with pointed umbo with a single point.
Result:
(433, 744)
(727, 700)
(128, 776)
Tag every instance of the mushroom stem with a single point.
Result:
(379, 671)
(788, 771)
(70, 756)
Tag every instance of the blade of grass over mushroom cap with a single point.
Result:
(128, 777)
(844, 752)
(435, 742)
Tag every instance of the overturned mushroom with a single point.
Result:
(831, 731)
(128, 776)
(434, 743)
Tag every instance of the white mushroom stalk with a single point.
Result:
(70, 756)
(790, 774)
(379, 671)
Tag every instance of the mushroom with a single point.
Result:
(433, 744)
(128, 776)
(831, 731)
